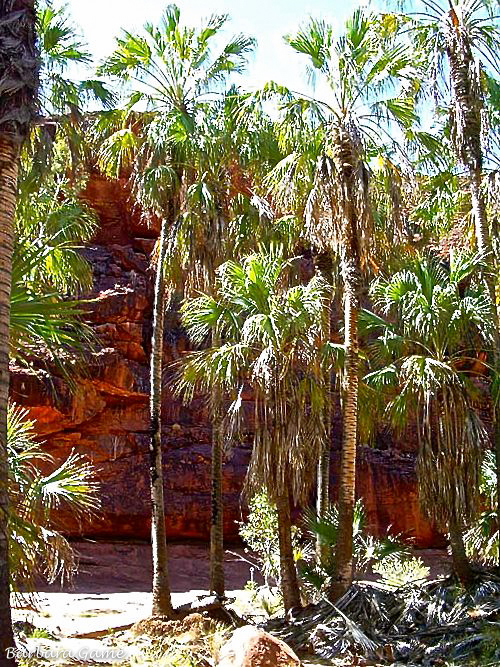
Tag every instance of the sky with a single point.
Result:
(267, 20)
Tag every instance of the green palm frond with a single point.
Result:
(45, 321)
(367, 549)
(118, 151)
(62, 100)
(35, 546)
(72, 483)
(172, 63)
(437, 316)
(268, 335)
(314, 40)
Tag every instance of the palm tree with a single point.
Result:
(59, 125)
(18, 89)
(465, 34)
(269, 341)
(290, 182)
(173, 73)
(437, 318)
(361, 69)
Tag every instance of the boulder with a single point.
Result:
(252, 647)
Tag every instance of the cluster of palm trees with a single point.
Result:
(277, 210)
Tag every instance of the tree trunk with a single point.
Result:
(485, 247)
(217, 524)
(479, 211)
(19, 68)
(162, 603)
(461, 565)
(347, 488)
(323, 265)
(496, 435)
(8, 193)
(351, 263)
(288, 571)
(469, 102)
(323, 484)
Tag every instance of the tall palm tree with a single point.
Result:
(436, 318)
(18, 89)
(62, 99)
(174, 73)
(465, 35)
(290, 183)
(269, 340)
(361, 69)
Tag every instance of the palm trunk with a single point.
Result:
(19, 68)
(323, 492)
(323, 264)
(217, 524)
(288, 571)
(162, 603)
(461, 565)
(469, 151)
(217, 584)
(343, 562)
(347, 488)
(8, 193)
(485, 248)
(496, 422)
(479, 211)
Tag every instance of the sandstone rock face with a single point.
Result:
(252, 647)
(106, 416)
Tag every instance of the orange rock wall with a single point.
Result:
(106, 417)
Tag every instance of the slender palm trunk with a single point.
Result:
(469, 152)
(217, 523)
(8, 193)
(479, 211)
(323, 263)
(351, 276)
(217, 584)
(19, 70)
(162, 603)
(288, 571)
(497, 465)
(343, 552)
(323, 480)
(485, 248)
(461, 565)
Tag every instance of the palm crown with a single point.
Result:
(270, 341)
(437, 319)
(171, 66)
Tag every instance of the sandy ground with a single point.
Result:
(112, 587)
(112, 590)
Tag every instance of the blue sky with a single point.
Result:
(267, 20)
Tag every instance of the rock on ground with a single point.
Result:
(252, 647)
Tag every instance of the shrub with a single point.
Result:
(482, 538)
(398, 573)
(367, 549)
(35, 546)
(260, 534)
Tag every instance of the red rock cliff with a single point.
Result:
(106, 418)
